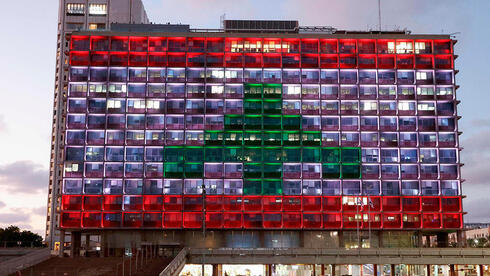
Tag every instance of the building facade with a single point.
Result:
(76, 15)
(256, 132)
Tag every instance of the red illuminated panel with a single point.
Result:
(452, 220)
(272, 220)
(309, 61)
(392, 221)
(451, 204)
(192, 220)
(196, 59)
(252, 220)
(367, 61)
(110, 220)
(157, 44)
(172, 220)
(215, 60)
(80, 43)
(138, 44)
(79, 59)
(391, 204)
(91, 219)
(442, 47)
(443, 62)
(138, 59)
(292, 220)
(351, 220)
(232, 220)
(172, 203)
(119, 43)
(99, 58)
(431, 204)
(372, 221)
(411, 204)
(348, 61)
(312, 203)
(252, 203)
(133, 203)
(253, 60)
(232, 203)
(272, 203)
(119, 59)
(133, 220)
(153, 203)
(176, 59)
(99, 43)
(71, 203)
(291, 203)
(331, 203)
(70, 220)
(152, 220)
(214, 203)
(329, 61)
(386, 61)
(234, 60)
(92, 203)
(411, 221)
(404, 61)
(332, 220)
(196, 44)
(431, 220)
(272, 60)
(424, 62)
(291, 60)
(312, 220)
(214, 220)
(193, 203)
(328, 46)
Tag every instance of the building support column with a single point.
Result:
(392, 270)
(103, 245)
(420, 239)
(427, 268)
(427, 240)
(76, 243)
(87, 244)
(375, 269)
(216, 270)
(480, 269)
(380, 239)
(333, 269)
(452, 272)
(268, 269)
(460, 238)
(323, 269)
(314, 269)
(442, 240)
(61, 249)
(341, 239)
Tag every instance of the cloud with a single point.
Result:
(475, 211)
(14, 217)
(23, 177)
(2, 204)
(40, 211)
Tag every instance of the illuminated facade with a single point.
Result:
(283, 131)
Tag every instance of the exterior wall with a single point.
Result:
(66, 24)
(318, 133)
(477, 233)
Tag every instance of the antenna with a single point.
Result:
(379, 15)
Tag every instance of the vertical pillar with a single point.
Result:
(323, 269)
(380, 239)
(62, 244)
(103, 245)
(420, 242)
(333, 270)
(392, 270)
(452, 272)
(268, 269)
(215, 270)
(427, 240)
(87, 244)
(314, 269)
(76, 242)
(341, 239)
(460, 238)
(480, 269)
(375, 269)
(427, 268)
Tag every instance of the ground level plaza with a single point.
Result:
(318, 270)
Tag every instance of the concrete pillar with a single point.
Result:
(480, 269)
(341, 239)
(460, 238)
(87, 244)
(375, 269)
(380, 239)
(392, 270)
(442, 239)
(323, 269)
(452, 272)
(333, 270)
(76, 242)
(427, 268)
(314, 269)
(62, 244)
(103, 245)
(420, 242)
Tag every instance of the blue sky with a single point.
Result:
(28, 51)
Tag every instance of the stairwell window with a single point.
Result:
(97, 9)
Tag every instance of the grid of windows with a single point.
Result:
(281, 133)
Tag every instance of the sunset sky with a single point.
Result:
(28, 47)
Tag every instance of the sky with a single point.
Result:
(27, 56)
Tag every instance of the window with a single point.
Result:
(96, 26)
(97, 9)
(75, 9)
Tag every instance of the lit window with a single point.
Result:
(420, 47)
(95, 26)
(422, 75)
(97, 9)
(152, 104)
(75, 9)
(404, 47)
(391, 47)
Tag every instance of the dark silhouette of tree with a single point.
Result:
(12, 236)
